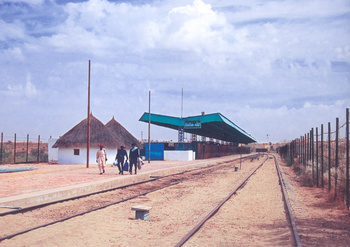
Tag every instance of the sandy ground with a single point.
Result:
(49, 176)
(320, 220)
(253, 217)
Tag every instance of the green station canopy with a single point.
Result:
(210, 125)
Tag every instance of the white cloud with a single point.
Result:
(33, 2)
(12, 54)
(266, 65)
(28, 89)
(12, 31)
(289, 123)
(293, 10)
(200, 29)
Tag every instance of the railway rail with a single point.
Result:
(289, 212)
(100, 200)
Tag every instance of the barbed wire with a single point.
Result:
(20, 139)
(332, 132)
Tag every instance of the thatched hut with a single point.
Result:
(72, 145)
(123, 135)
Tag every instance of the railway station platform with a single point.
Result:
(51, 182)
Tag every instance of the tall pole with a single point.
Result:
(38, 158)
(322, 181)
(347, 160)
(307, 149)
(14, 150)
(2, 139)
(336, 157)
(88, 121)
(317, 156)
(312, 154)
(149, 126)
(182, 102)
(329, 156)
(27, 148)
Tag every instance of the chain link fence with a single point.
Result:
(19, 149)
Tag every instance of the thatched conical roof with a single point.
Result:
(99, 134)
(124, 136)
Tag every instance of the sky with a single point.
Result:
(274, 68)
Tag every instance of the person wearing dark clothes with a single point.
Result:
(133, 155)
(121, 153)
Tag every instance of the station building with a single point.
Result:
(212, 135)
(225, 137)
(71, 148)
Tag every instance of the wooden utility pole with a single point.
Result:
(149, 127)
(38, 158)
(2, 140)
(336, 157)
(88, 121)
(27, 148)
(347, 160)
(14, 150)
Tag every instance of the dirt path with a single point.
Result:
(253, 217)
(320, 220)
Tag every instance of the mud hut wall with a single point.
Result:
(66, 156)
(52, 152)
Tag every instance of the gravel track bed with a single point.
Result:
(14, 223)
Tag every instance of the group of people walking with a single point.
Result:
(120, 158)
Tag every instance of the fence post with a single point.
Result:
(2, 140)
(312, 154)
(329, 156)
(27, 148)
(322, 181)
(336, 157)
(290, 151)
(317, 156)
(311, 143)
(347, 159)
(308, 146)
(14, 150)
(305, 151)
(300, 149)
(38, 148)
(294, 150)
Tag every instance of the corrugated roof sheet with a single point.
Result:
(213, 125)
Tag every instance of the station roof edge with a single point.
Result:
(214, 125)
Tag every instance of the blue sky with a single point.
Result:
(274, 68)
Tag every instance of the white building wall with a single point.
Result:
(52, 152)
(179, 155)
(66, 156)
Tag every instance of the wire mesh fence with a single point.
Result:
(321, 158)
(19, 149)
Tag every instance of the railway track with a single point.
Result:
(294, 232)
(44, 215)
(171, 187)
